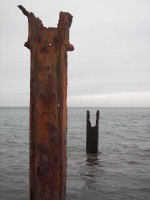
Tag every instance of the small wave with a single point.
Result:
(146, 150)
(133, 162)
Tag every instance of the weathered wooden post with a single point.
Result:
(92, 134)
(48, 111)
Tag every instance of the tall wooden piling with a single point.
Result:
(48, 111)
(92, 134)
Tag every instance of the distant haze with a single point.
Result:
(110, 65)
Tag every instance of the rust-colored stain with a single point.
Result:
(48, 110)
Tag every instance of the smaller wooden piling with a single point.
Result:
(92, 134)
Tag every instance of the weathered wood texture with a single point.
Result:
(92, 134)
(48, 111)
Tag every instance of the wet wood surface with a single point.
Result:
(92, 134)
(48, 110)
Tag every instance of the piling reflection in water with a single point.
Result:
(90, 171)
(92, 159)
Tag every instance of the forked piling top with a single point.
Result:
(65, 21)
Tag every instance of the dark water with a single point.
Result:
(120, 171)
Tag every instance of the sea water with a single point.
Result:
(120, 170)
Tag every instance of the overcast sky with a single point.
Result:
(110, 65)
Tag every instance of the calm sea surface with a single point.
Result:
(120, 171)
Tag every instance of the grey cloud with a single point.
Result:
(112, 47)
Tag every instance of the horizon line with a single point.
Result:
(83, 106)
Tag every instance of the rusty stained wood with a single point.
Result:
(92, 134)
(48, 110)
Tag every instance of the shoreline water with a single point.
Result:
(120, 170)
